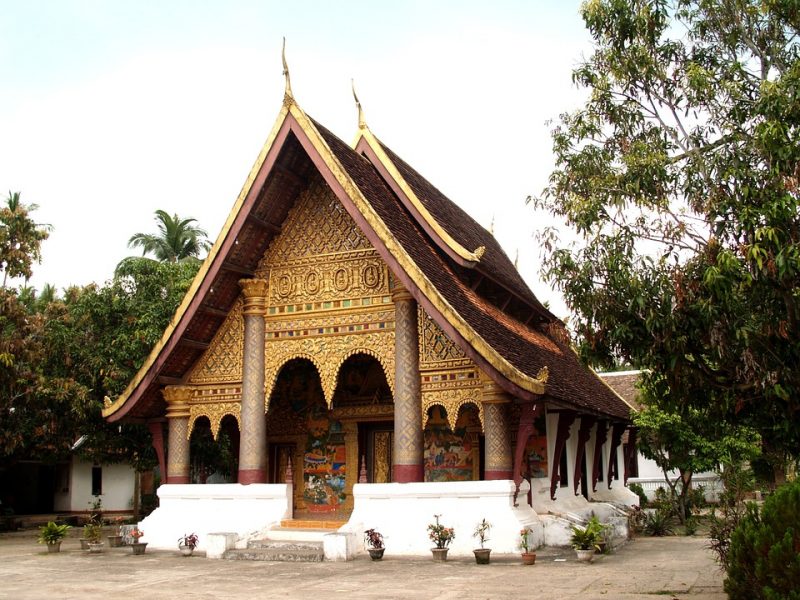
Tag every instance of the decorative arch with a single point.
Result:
(327, 354)
(272, 372)
(388, 372)
(451, 400)
(214, 413)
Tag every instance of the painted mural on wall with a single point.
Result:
(536, 450)
(323, 462)
(451, 455)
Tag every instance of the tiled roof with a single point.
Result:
(494, 263)
(496, 340)
(624, 383)
(529, 350)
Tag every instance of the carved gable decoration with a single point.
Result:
(222, 361)
(317, 224)
(329, 292)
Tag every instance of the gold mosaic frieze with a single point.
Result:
(361, 412)
(328, 353)
(222, 361)
(330, 325)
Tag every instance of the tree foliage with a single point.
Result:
(20, 238)
(61, 356)
(679, 177)
(177, 240)
(763, 560)
(687, 440)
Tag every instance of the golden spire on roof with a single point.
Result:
(362, 123)
(288, 98)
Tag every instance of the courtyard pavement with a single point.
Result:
(646, 568)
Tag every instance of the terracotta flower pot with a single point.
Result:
(528, 558)
(376, 553)
(54, 546)
(138, 547)
(482, 555)
(439, 554)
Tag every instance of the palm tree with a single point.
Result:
(177, 240)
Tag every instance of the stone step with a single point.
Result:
(286, 545)
(296, 534)
(272, 551)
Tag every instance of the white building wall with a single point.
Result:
(118, 482)
(651, 477)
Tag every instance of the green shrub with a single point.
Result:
(690, 526)
(637, 489)
(763, 558)
(658, 523)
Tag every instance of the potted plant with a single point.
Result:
(441, 536)
(481, 532)
(137, 547)
(93, 533)
(526, 545)
(115, 541)
(374, 541)
(52, 534)
(585, 541)
(187, 543)
(601, 530)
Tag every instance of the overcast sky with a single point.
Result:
(110, 110)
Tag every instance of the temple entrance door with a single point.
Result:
(377, 440)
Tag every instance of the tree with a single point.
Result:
(100, 335)
(679, 177)
(60, 358)
(20, 238)
(177, 240)
(684, 439)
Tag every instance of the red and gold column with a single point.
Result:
(253, 440)
(407, 451)
(177, 397)
(497, 449)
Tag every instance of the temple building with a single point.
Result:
(372, 357)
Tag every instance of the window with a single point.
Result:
(97, 480)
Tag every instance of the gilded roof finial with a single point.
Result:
(288, 98)
(362, 123)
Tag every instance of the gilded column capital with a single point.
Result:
(177, 398)
(494, 394)
(255, 295)
(400, 293)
